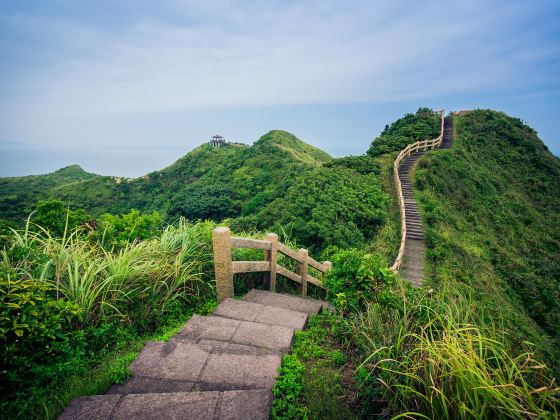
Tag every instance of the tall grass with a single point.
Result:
(70, 303)
(433, 357)
(104, 281)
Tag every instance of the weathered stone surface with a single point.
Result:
(180, 405)
(216, 328)
(264, 314)
(172, 360)
(209, 327)
(239, 371)
(272, 337)
(221, 243)
(246, 405)
(285, 317)
(143, 385)
(217, 367)
(236, 309)
(310, 306)
(94, 407)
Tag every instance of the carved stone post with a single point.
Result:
(272, 257)
(302, 270)
(221, 244)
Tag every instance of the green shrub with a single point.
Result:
(287, 390)
(120, 230)
(425, 124)
(358, 278)
(33, 322)
(54, 216)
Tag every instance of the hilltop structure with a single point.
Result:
(217, 141)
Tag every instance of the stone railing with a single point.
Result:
(225, 267)
(407, 151)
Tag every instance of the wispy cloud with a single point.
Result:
(185, 55)
(158, 76)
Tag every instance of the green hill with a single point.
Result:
(18, 195)
(279, 183)
(491, 204)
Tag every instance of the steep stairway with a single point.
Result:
(220, 366)
(413, 261)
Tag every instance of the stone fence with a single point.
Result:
(423, 145)
(223, 242)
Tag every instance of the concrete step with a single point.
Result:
(413, 219)
(208, 366)
(238, 404)
(271, 337)
(294, 303)
(263, 314)
(413, 224)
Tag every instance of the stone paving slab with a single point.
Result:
(246, 405)
(228, 405)
(179, 405)
(239, 371)
(171, 360)
(211, 365)
(95, 407)
(249, 333)
(310, 306)
(264, 314)
(142, 385)
(217, 367)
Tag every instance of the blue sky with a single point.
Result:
(127, 87)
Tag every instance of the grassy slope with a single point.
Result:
(243, 171)
(492, 204)
(19, 194)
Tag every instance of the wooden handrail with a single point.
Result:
(407, 151)
(225, 268)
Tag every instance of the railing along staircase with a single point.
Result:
(414, 148)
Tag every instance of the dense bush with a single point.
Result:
(432, 354)
(68, 301)
(120, 230)
(56, 217)
(325, 207)
(425, 124)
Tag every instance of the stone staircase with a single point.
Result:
(220, 366)
(413, 262)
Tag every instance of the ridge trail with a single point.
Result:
(413, 256)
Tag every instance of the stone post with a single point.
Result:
(302, 270)
(328, 264)
(272, 257)
(221, 244)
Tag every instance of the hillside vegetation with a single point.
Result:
(423, 125)
(80, 297)
(279, 183)
(18, 195)
(492, 204)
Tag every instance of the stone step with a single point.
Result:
(271, 337)
(411, 224)
(310, 306)
(263, 314)
(208, 366)
(231, 405)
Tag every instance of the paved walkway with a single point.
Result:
(413, 262)
(221, 366)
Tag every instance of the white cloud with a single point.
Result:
(259, 53)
